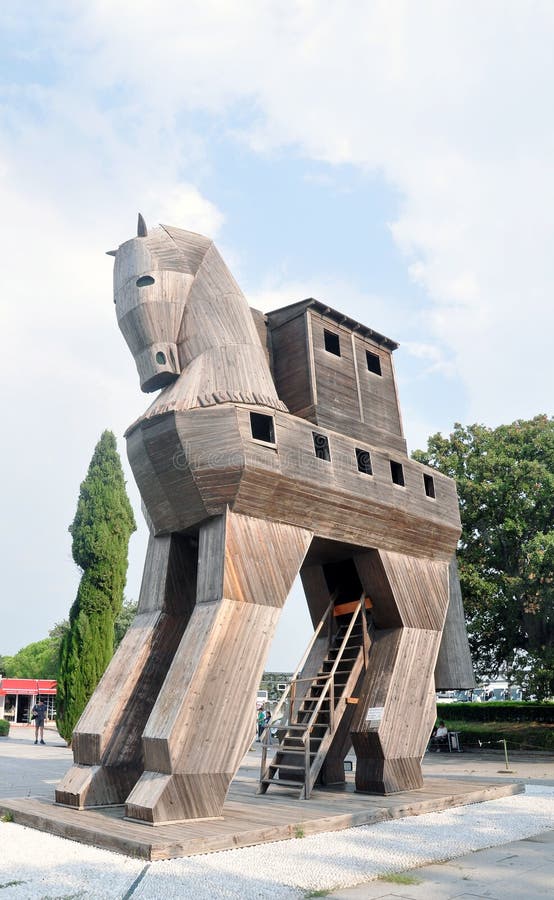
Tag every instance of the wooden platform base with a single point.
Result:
(248, 819)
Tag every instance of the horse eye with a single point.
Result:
(144, 280)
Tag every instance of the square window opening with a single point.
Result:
(321, 446)
(373, 362)
(429, 483)
(262, 427)
(397, 473)
(363, 459)
(332, 342)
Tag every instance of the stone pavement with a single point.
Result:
(522, 870)
(29, 770)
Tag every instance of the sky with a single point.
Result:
(392, 159)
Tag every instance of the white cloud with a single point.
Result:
(432, 355)
(378, 312)
(184, 203)
(448, 101)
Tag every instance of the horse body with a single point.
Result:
(233, 519)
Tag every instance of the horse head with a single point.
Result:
(187, 323)
(152, 280)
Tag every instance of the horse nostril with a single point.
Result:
(160, 358)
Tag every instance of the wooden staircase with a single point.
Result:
(316, 704)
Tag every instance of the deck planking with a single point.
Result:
(248, 818)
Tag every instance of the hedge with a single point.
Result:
(4, 727)
(489, 736)
(504, 711)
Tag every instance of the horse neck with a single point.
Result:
(219, 346)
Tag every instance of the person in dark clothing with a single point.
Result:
(39, 715)
(439, 738)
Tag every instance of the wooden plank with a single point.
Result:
(343, 609)
(454, 668)
(247, 819)
(389, 735)
(207, 479)
(202, 721)
(107, 738)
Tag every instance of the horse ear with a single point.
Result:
(142, 230)
(111, 252)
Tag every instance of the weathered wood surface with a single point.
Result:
(107, 740)
(232, 514)
(248, 819)
(396, 712)
(201, 723)
(454, 669)
(209, 456)
(335, 391)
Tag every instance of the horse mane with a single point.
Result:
(223, 360)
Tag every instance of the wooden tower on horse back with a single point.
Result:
(275, 447)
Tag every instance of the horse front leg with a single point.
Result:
(106, 743)
(203, 720)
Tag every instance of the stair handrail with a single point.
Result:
(265, 736)
(329, 687)
(331, 673)
(365, 628)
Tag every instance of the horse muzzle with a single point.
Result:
(158, 366)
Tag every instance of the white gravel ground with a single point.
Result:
(37, 865)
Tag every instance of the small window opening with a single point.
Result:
(160, 358)
(429, 483)
(332, 342)
(321, 446)
(373, 362)
(262, 427)
(397, 473)
(363, 459)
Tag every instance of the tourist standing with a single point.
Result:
(38, 713)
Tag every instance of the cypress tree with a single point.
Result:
(100, 531)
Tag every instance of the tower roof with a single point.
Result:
(278, 317)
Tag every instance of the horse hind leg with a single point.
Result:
(396, 708)
(107, 738)
(203, 720)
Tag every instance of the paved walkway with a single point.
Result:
(522, 869)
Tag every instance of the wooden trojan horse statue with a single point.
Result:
(275, 446)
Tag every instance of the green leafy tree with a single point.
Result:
(41, 659)
(124, 620)
(505, 479)
(101, 530)
(37, 660)
(5, 662)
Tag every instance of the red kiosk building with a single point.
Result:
(19, 695)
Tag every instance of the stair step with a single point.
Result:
(281, 782)
(296, 768)
(318, 725)
(332, 658)
(293, 751)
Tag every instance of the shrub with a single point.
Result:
(4, 728)
(518, 735)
